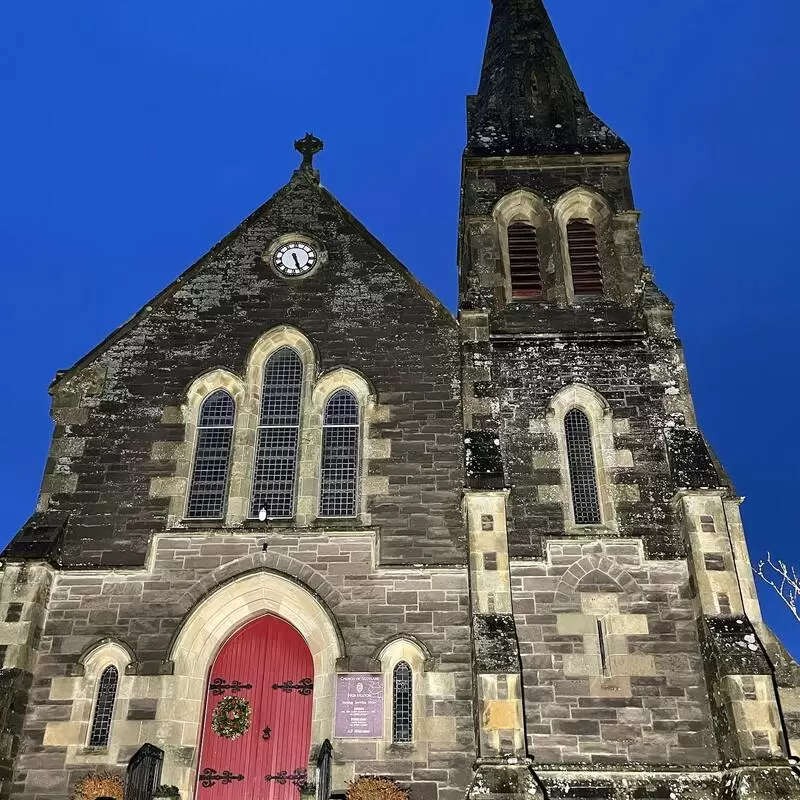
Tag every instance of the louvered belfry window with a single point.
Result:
(275, 470)
(340, 448)
(582, 469)
(584, 258)
(402, 704)
(104, 708)
(212, 458)
(523, 262)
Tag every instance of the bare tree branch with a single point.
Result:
(783, 580)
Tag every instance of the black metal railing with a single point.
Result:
(144, 773)
(324, 771)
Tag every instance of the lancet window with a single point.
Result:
(582, 468)
(340, 456)
(402, 703)
(212, 458)
(104, 708)
(277, 444)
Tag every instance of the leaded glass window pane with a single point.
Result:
(403, 704)
(340, 450)
(209, 485)
(104, 709)
(582, 469)
(275, 471)
(283, 386)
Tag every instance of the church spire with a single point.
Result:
(529, 102)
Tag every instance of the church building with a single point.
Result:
(300, 524)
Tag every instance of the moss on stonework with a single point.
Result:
(511, 782)
(761, 784)
(689, 456)
(484, 461)
(496, 645)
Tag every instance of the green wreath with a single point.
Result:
(231, 718)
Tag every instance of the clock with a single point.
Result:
(295, 259)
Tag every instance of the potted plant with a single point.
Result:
(373, 788)
(94, 786)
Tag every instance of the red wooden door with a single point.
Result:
(266, 664)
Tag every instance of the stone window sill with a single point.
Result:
(591, 529)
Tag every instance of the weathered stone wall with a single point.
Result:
(360, 310)
(528, 352)
(650, 703)
(140, 613)
(525, 377)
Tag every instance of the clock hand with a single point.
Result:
(296, 260)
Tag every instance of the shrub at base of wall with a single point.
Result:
(366, 788)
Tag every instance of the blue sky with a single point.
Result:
(137, 134)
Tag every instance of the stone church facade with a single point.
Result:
(506, 525)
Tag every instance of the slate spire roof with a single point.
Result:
(529, 102)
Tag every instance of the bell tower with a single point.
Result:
(549, 230)
(553, 288)
(608, 567)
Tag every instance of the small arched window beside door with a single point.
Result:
(104, 708)
(403, 704)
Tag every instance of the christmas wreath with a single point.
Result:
(231, 718)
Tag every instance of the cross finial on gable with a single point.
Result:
(309, 146)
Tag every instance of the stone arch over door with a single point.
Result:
(208, 626)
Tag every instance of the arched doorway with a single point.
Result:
(257, 722)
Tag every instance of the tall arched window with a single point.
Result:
(402, 703)
(212, 458)
(582, 468)
(104, 708)
(523, 261)
(340, 448)
(584, 258)
(275, 471)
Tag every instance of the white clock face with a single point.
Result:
(295, 259)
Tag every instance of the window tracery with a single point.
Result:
(279, 443)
